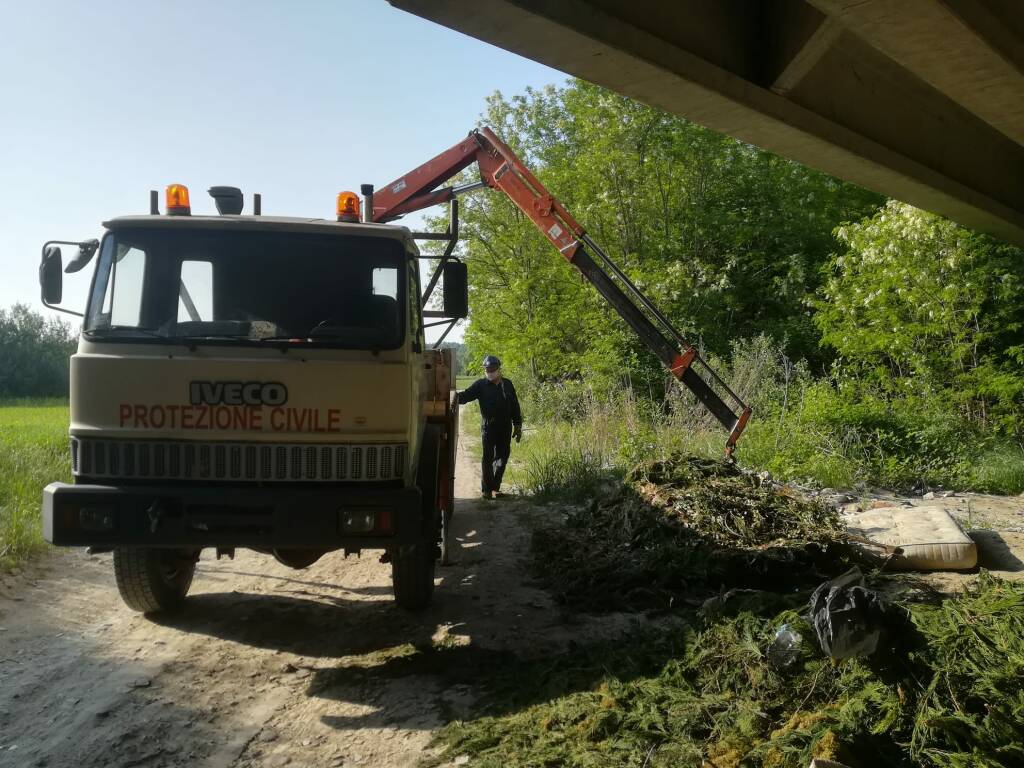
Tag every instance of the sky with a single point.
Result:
(101, 102)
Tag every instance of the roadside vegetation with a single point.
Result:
(720, 561)
(33, 453)
(879, 345)
(34, 370)
(943, 693)
(818, 431)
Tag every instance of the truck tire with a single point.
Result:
(412, 567)
(412, 576)
(152, 580)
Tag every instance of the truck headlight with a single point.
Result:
(357, 520)
(96, 518)
(365, 520)
(379, 520)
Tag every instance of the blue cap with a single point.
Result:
(492, 360)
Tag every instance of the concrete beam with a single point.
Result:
(807, 57)
(816, 83)
(959, 47)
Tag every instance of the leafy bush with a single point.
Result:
(919, 307)
(35, 352)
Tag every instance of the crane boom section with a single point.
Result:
(501, 169)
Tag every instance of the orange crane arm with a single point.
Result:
(501, 169)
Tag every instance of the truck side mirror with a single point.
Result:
(456, 290)
(51, 276)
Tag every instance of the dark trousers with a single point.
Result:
(497, 448)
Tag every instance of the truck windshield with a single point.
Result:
(183, 283)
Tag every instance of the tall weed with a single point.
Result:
(33, 453)
(573, 475)
(826, 431)
(999, 470)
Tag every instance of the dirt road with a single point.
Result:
(269, 666)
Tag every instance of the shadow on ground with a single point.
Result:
(327, 627)
(490, 630)
(994, 553)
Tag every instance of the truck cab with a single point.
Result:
(260, 382)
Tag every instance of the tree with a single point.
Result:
(917, 304)
(728, 240)
(34, 354)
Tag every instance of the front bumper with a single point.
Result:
(196, 516)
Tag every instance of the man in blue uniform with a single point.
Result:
(500, 421)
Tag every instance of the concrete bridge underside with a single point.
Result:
(922, 100)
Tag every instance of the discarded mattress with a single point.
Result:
(930, 538)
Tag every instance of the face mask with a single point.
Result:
(492, 375)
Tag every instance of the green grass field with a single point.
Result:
(33, 452)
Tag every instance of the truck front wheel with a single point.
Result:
(412, 567)
(152, 580)
(412, 576)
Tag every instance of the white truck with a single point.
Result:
(255, 381)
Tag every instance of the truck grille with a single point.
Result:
(257, 462)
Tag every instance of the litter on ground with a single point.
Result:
(929, 538)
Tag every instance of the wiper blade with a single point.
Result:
(178, 338)
(144, 331)
(101, 332)
(218, 336)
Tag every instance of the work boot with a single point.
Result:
(486, 496)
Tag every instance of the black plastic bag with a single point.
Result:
(847, 617)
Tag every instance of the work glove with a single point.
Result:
(517, 433)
